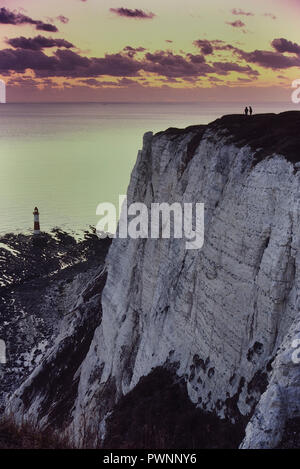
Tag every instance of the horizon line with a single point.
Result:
(149, 102)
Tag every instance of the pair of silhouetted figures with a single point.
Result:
(248, 111)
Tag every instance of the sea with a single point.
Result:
(66, 158)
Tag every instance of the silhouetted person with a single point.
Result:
(246, 111)
(250, 110)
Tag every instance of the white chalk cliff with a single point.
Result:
(224, 316)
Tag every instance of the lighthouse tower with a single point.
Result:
(36, 218)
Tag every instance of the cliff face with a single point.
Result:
(224, 316)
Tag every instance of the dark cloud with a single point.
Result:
(70, 64)
(19, 60)
(100, 84)
(170, 80)
(63, 19)
(284, 45)
(266, 59)
(24, 82)
(97, 83)
(167, 64)
(114, 65)
(67, 63)
(270, 59)
(132, 51)
(205, 46)
(129, 13)
(224, 67)
(50, 28)
(91, 82)
(38, 43)
(244, 80)
(11, 17)
(239, 12)
(236, 23)
(196, 58)
(222, 46)
(208, 47)
(126, 82)
(215, 79)
(28, 54)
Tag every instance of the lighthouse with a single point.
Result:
(2, 92)
(36, 218)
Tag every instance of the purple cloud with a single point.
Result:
(27, 53)
(207, 47)
(244, 80)
(225, 67)
(167, 64)
(24, 82)
(129, 13)
(238, 11)
(236, 23)
(132, 51)
(204, 45)
(100, 84)
(38, 43)
(50, 28)
(10, 17)
(126, 82)
(196, 59)
(70, 64)
(284, 45)
(97, 83)
(21, 59)
(63, 19)
(67, 63)
(270, 59)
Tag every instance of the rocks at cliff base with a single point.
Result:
(42, 278)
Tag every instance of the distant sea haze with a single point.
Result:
(66, 158)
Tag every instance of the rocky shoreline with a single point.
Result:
(37, 276)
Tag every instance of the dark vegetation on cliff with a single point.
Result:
(27, 437)
(264, 133)
(291, 435)
(158, 414)
(30, 257)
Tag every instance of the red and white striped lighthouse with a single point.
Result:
(36, 218)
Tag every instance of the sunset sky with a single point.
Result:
(149, 50)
